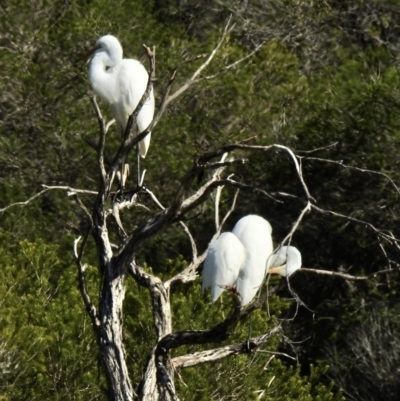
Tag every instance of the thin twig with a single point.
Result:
(345, 166)
(276, 353)
(228, 28)
(24, 203)
(70, 191)
(164, 101)
(103, 129)
(332, 145)
(84, 208)
(191, 239)
(234, 64)
(385, 234)
(218, 196)
(155, 200)
(82, 283)
(349, 276)
(295, 226)
(191, 59)
(230, 211)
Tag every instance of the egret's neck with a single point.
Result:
(101, 77)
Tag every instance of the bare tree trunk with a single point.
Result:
(154, 384)
(110, 336)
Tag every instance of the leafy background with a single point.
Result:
(327, 73)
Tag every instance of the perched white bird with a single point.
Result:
(239, 258)
(225, 257)
(121, 84)
(255, 233)
(285, 261)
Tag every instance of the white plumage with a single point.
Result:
(228, 254)
(255, 233)
(121, 84)
(239, 258)
(285, 261)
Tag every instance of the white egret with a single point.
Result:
(239, 258)
(224, 259)
(285, 261)
(255, 233)
(121, 84)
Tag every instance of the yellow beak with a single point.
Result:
(276, 270)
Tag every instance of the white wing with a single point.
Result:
(132, 82)
(222, 264)
(285, 261)
(255, 233)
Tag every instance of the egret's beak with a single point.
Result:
(87, 55)
(276, 270)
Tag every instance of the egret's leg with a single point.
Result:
(121, 178)
(138, 165)
(125, 173)
(249, 335)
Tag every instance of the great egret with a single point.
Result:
(121, 84)
(239, 258)
(223, 262)
(285, 261)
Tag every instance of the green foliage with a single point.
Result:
(44, 325)
(254, 377)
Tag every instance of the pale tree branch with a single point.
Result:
(192, 79)
(82, 281)
(229, 212)
(103, 130)
(84, 208)
(248, 188)
(191, 239)
(163, 103)
(185, 229)
(184, 226)
(298, 169)
(192, 271)
(218, 196)
(347, 276)
(180, 206)
(385, 234)
(276, 353)
(295, 226)
(332, 145)
(115, 213)
(24, 203)
(227, 148)
(70, 191)
(347, 167)
(232, 65)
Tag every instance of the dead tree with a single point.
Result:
(116, 265)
